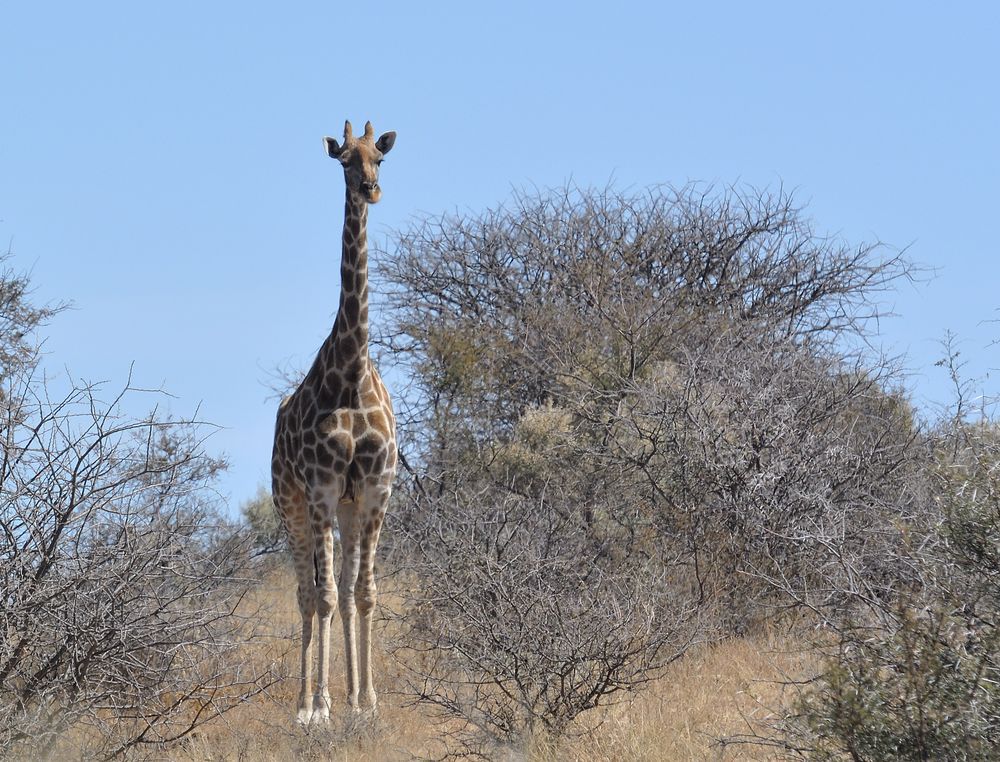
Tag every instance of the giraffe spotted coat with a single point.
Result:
(334, 457)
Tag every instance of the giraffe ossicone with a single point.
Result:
(334, 456)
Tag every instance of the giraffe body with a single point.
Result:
(334, 457)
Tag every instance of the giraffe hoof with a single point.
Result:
(321, 710)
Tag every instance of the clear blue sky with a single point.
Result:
(161, 164)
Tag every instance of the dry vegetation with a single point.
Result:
(662, 500)
(714, 693)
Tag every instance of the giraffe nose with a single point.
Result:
(369, 187)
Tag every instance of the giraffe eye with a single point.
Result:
(379, 162)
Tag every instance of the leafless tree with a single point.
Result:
(120, 582)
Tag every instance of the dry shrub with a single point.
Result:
(120, 581)
(637, 420)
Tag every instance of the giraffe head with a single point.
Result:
(360, 158)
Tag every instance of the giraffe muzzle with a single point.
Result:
(372, 191)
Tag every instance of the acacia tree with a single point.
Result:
(681, 377)
(120, 582)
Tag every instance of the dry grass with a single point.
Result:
(710, 694)
(266, 730)
(714, 692)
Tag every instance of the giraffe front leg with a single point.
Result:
(347, 522)
(322, 511)
(366, 595)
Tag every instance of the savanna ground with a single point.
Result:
(715, 692)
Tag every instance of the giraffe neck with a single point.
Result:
(343, 359)
(352, 316)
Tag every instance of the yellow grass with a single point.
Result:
(711, 693)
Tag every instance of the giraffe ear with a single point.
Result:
(333, 148)
(385, 142)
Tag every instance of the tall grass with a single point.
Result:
(715, 692)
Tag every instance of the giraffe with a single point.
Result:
(335, 454)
